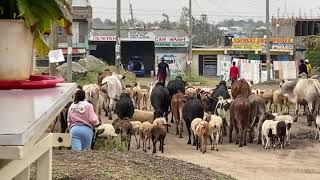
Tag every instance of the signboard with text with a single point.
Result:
(260, 43)
(102, 38)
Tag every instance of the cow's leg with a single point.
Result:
(189, 134)
(310, 114)
(260, 129)
(237, 134)
(297, 112)
(211, 141)
(177, 126)
(244, 137)
(241, 133)
(195, 141)
(217, 140)
(224, 126)
(230, 133)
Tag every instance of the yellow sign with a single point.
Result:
(257, 43)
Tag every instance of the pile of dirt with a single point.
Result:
(92, 63)
(77, 70)
(99, 165)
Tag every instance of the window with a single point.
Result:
(60, 31)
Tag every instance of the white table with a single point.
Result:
(25, 115)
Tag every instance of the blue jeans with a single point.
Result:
(81, 137)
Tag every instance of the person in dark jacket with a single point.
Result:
(303, 68)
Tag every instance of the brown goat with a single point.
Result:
(239, 118)
(202, 133)
(281, 100)
(268, 98)
(177, 104)
(124, 128)
(158, 133)
(240, 88)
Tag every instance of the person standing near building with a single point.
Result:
(309, 68)
(162, 71)
(234, 72)
(303, 68)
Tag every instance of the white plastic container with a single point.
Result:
(16, 50)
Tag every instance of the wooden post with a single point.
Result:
(44, 166)
(25, 174)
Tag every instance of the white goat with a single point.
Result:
(215, 130)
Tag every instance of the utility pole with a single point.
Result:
(268, 40)
(118, 53)
(53, 46)
(190, 36)
(69, 51)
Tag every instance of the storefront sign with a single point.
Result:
(170, 39)
(170, 44)
(260, 43)
(102, 38)
(282, 46)
(140, 35)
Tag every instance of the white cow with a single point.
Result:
(92, 94)
(303, 89)
(111, 85)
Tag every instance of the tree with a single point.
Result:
(312, 44)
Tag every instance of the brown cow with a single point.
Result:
(240, 87)
(177, 104)
(239, 119)
(104, 74)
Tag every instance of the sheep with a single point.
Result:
(215, 130)
(191, 92)
(318, 127)
(145, 134)
(106, 131)
(194, 124)
(158, 133)
(202, 133)
(145, 97)
(137, 95)
(159, 121)
(142, 116)
(288, 121)
(136, 125)
(268, 129)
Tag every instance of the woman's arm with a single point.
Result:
(93, 118)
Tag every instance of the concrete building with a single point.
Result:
(81, 25)
(149, 45)
(295, 28)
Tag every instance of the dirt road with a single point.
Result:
(301, 160)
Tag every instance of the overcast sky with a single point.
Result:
(217, 10)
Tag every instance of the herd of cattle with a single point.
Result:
(206, 113)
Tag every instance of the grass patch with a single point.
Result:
(110, 144)
(197, 80)
(91, 76)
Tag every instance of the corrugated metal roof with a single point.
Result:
(124, 33)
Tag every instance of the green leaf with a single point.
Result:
(39, 15)
(40, 44)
